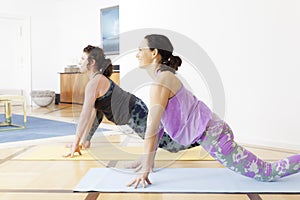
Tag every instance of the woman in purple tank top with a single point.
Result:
(188, 120)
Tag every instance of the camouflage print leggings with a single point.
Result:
(219, 142)
(138, 122)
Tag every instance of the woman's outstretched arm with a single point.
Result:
(86, 118)
(159, 95)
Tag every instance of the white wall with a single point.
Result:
(254, 45)
(15, 55)
(60, 29)
(78, 25)
(43, 20)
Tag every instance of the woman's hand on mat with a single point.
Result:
(142, 178)
(143, 165)
(75, 147)
(71, 154)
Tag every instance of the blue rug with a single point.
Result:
(36, 128)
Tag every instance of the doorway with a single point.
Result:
(15, 54)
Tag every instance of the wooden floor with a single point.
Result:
(54, 179)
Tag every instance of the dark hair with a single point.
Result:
(165, 49)
(102, 64)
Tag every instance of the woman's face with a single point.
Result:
(83, 62)
(144, 55)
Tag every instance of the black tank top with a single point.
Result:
(116, 104)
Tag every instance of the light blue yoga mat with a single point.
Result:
(36, 128)
(185, 180)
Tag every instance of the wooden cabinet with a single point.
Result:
(72, 86)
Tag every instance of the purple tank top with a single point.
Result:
(185, 117)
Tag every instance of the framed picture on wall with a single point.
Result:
(109, 19)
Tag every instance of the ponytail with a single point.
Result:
(103, 64)
(107, 67)
(175, 62)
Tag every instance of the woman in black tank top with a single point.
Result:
(104, 97)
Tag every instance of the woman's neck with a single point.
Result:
(92, 74)
(153, 69)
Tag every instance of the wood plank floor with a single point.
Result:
(23, 178)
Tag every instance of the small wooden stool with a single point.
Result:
(7, 100)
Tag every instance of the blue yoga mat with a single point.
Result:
(36, 128)
(185, 180)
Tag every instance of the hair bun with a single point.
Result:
(175, 62)
(107, 67)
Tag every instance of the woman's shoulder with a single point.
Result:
(97, 82)
(164, 76)
(167, 78)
